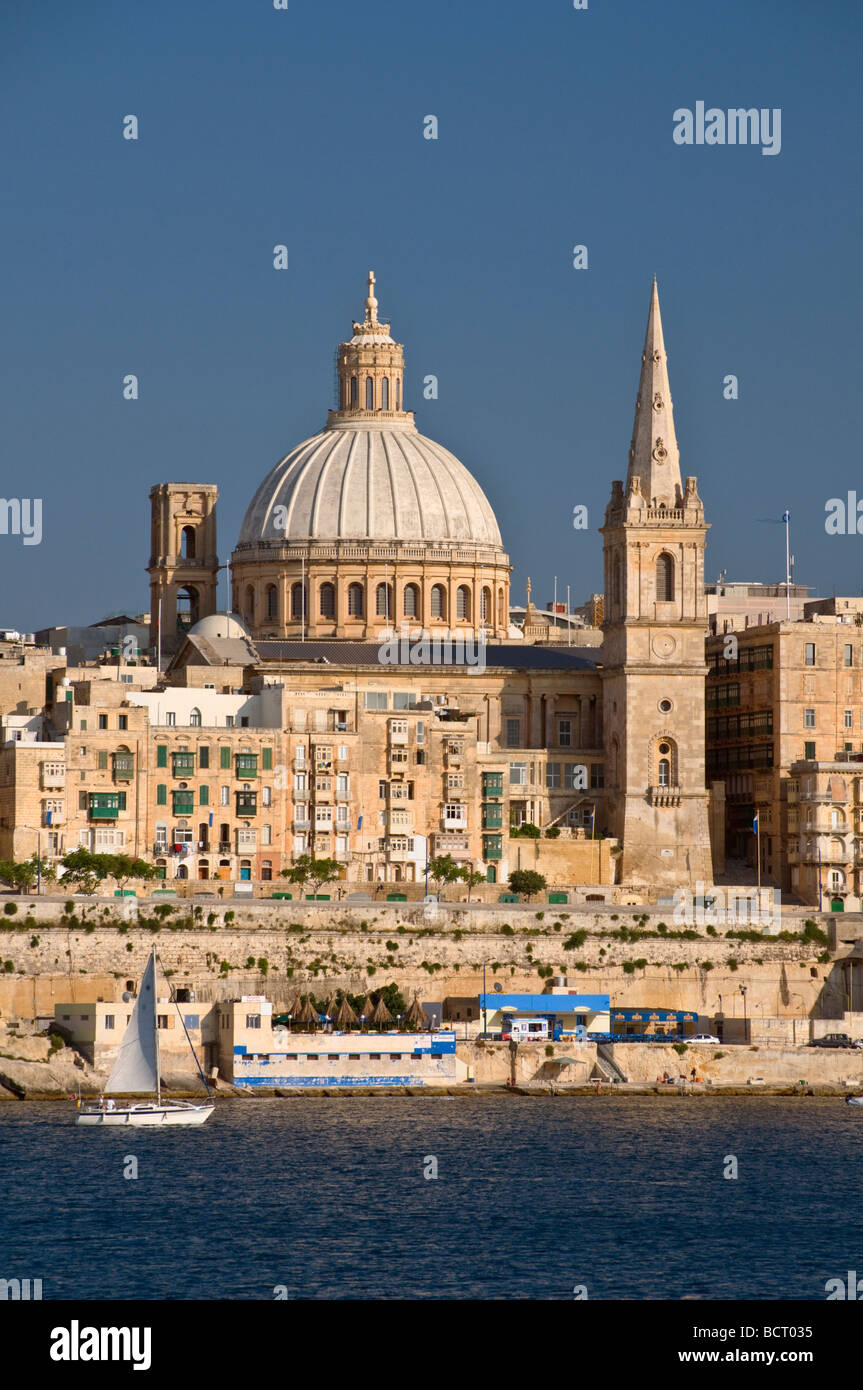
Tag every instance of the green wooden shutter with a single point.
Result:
(204, 796)
(161, 794)
(161, 755)
(225, 757)
(267, 756)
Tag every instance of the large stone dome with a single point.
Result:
(369, 523)
(370, 482)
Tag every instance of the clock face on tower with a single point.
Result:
(664, 645)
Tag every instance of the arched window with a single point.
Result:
(664, 578)
(438, 601)
(666, 764)
(355, 600)
(195, 718)
(187, 543)
(354, 389)
(616, 585)
(182, 871)
(384, 600)
(501, 610)
(398, 393)
(486, 605)
(267, 870)
(298, 606)
(224, 835)
(385, 393)
(411, 601)
(462, 604)
(272, 601)
(328, 601)
(250, 603)
(203, 869)
(370, 394)
(187, 607)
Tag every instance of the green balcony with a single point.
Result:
(106, 805)
(124, 767)
(492, 817)
(492, 784)
(184, 803)
(492, 847)
(247, 803)
(183, 764)
(247, 765)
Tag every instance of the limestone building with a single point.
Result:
(653, 652)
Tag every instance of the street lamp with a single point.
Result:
(290, 1016)
(398, 1023)
(362, 1021)
(38, 834)
(745, 1027)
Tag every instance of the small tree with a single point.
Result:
(323, 871)
(443, 869)
(20, 876)
(527, 882)
(125, 867)
(473, 878)
(313, 871)
(84, 869)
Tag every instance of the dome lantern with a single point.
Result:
(371, 368)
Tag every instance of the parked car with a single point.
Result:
(704, 1038)
(832, 1040)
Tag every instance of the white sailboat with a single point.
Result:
(136, 1071)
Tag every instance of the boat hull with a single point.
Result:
(150, 1116)
(854, 1100)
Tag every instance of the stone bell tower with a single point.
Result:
(184, 564)
(655, 627)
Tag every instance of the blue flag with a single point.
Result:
(360, 823)
(48, 816)
(755, 824)
(211, 819)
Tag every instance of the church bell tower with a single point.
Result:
(184, 565)
(655, 627)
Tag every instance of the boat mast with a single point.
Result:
(156, 1031)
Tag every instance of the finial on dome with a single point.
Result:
(371, 302)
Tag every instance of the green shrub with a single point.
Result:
(10, 909)
(680, 1048)
(57, 1044)
(732, 963)
(549, 1050)
(506, 929)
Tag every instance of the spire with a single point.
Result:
(654, 459)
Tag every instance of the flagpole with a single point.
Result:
(787, 518)
(758, 845)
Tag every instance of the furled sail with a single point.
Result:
(135, 1069)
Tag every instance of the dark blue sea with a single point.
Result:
(533, 1197)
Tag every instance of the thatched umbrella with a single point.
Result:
(381, 1015)
(367, 1008)
(331, 1005)
(344, 1015)
(416, 1016)
(307, 1013)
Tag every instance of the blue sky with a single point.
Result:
(304, 127)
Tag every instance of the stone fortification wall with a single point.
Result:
(47, 957)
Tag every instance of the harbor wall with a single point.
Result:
(47, 958)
